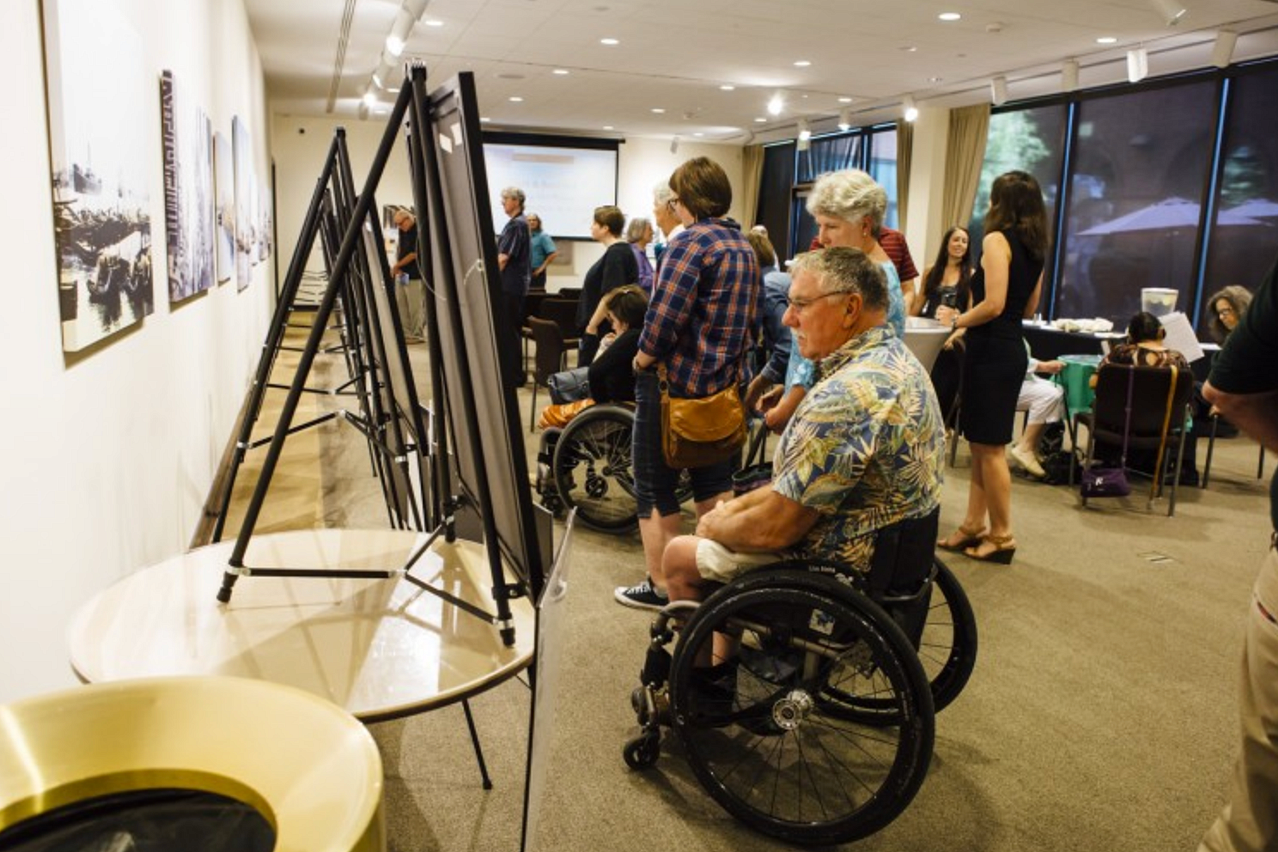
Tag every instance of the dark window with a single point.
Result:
(774, 194)
(1032, 140)
(882, 167)
(1247, 192)
(1138, 179)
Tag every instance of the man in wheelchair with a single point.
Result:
(862, 454)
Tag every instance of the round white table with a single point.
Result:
(379, 648)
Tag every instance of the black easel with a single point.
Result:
(392, 407)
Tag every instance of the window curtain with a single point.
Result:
(751, 179)
(904, 156)
(829, 154)
(964, 155)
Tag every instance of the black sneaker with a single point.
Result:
(642, 596)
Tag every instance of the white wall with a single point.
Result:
(299, 156)
(108, 456)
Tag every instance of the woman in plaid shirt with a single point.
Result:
(697, 325)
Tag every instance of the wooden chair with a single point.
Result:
(549, 359)
(1155, 402)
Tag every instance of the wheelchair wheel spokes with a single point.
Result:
(593, 471)
(759, 734)
(947, 648)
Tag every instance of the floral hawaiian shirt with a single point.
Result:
(864, 448)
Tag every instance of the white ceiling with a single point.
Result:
(674, 56)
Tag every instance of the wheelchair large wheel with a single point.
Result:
(946, 649)
(755, 730)
(592, 468)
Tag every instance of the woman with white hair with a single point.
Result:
(639, 234)
(848, 207)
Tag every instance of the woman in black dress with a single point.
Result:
(1004, 291)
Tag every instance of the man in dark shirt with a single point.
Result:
(409, 293)
(1244, 386)
(514, 259)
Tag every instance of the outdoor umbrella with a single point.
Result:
(1257, 208)
(1168, 214)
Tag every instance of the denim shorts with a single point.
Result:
(655, 481)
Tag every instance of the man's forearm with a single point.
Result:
(1254, 413)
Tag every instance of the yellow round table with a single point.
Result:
(309, 768)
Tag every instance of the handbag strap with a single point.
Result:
(1162, 440)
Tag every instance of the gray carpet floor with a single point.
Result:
(1101, 714)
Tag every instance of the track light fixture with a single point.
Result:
(405, 19)
(1222, 52)
(1171, 11)
(1069, 75)
(910, 112)
(998, 90)
(1137, 64)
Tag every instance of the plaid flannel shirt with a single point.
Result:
(702, 308)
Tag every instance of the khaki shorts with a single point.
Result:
(721, 565)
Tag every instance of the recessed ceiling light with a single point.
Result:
(845, 100)
(775, 104)
(934, 79)
(1106, 40)
(607, 127)
(760, 121)
(369, 99)
(609, 41)
(658, 110)
(392, 91)
(909, 48)
(698, 133)
(802, 63)
(431, 22)
(484, 118)
(727, 87)
(515, 99)
(949, 16)
(509, 76)
(562, 72)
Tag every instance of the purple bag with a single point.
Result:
(1101, 481)
(1105, 482)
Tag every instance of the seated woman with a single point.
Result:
(1144, 348)
(948, 281)
(1045, 402)
(610, 376)
(1227, 307)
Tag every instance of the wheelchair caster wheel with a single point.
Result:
(642, 752)
(639, 703)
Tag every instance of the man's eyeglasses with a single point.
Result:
(800, 305)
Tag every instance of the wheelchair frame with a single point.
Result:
(850, 681)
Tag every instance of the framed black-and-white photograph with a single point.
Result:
(224, 168)
(188, 192)
(245, 181)
(99, 120)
